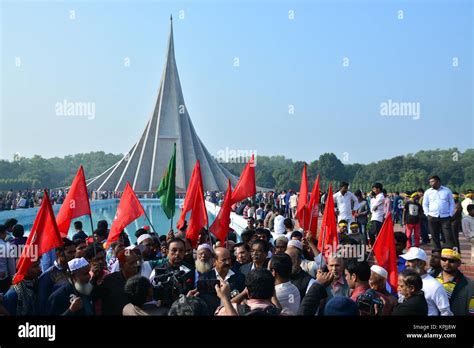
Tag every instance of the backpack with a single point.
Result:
(244, 310)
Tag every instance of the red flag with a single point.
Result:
(194, 184)
(75, 204)
(246, 186)
(313, 209)
(302, 207)
(220, 226)
(128, 210)
(198, 218)
(43, 237)
(194, 201)
(385, 253)
(328, 234)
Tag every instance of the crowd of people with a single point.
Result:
(271, 268)
(23, 199)
(368, 210)
(30, 198)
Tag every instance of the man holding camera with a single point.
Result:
(172, 278)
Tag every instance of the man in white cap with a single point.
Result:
(203, 261)
(309, 266)
(378, 282)
(73, 297)
(281, 243)
(145, 244)
(436, 296)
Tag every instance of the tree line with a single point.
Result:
(401, 173)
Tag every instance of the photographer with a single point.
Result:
(377, 282)
(172, 278)
(357, 276)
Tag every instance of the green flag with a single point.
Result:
(166, 191)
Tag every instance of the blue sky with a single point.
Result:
(282, 62)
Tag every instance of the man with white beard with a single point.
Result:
(73, 297)
(204, 261)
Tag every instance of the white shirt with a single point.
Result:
(468, 226)
(464, 205)
(282, 199)
(7, 263)
(311, 267)
(293, 201)
(229, 274)
(344, 205)
(289, 297)
(278, 224)
(376, 207)
(438, 203)
(436, 296)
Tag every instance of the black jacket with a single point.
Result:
(312, 300)
(301, 281)
(245, 269)
(462, 294)
(414, 305)
(207, 292)
(112, 294)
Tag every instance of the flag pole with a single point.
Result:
(92, 225)
(311, 220)
(92, 234)
(322, 248)
(149, 221)
(304, 210)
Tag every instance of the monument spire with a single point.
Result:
(144, 165)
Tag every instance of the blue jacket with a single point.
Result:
(48, 282)
(47, 260)
(60, 300)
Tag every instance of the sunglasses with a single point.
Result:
(449, 260)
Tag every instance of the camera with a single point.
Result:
(168, 284)
(368, 301)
